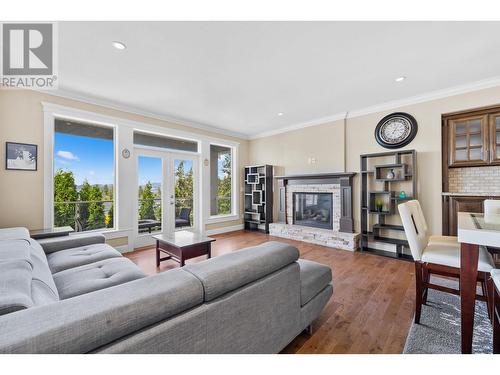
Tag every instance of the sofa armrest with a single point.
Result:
(53, 244)
(89, 321)
(231, 271)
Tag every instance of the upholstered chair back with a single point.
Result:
(492, 207)
(415, 226)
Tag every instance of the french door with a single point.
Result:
(167, 194)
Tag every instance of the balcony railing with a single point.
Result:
(84, 215)
(99, 214)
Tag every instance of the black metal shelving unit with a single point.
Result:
(383, 226)
(258, 197)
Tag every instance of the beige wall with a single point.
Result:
(21, 120)
(291, 150)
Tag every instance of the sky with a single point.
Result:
(88, 158)
(93, 159)
(150, 169)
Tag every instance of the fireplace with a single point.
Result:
(313, 209)
(316, 208)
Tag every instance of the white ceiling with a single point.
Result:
(237, 76)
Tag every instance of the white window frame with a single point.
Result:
(235, 186)
(123, 135)
(49, 137)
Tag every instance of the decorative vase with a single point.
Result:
(391, 175)
(402, 194)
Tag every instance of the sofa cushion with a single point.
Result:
(90, 321)
(28, 258)
(43, 288)
(228, 272)
(15, 249)
(53, 244)
(80, 256)
(314, 277)
(14, 233)
(99, 275)
(15, 285)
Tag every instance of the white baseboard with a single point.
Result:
(124, 249)
(232, 228)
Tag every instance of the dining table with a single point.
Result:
(474, 230)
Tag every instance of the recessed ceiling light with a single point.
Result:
(119, 45)
(400, 79)
(280, 113)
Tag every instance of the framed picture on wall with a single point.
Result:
(21, 156)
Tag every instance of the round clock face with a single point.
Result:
(126, 153)
(396, 130)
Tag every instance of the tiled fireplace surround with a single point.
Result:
(327, 237)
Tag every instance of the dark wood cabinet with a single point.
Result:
(472, 138)
(454, 204)
(495, 138)
(468, 141)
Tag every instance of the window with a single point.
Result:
(221, 166)
(157, 141)
(84, 176)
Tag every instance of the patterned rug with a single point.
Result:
(439, 328)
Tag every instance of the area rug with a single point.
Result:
(439, 328)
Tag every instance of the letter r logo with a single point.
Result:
(27, 49)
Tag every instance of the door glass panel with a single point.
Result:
(475, 140)
(497, 121)
(149, 195)
(498, 138)
(184, 189)
(460, 128)
(461, 141)
(460, 155)
(474, 126)
(475, 154)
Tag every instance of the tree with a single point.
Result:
(146, 208)
(183, 188)
(224, 186)
(91, 210)
(64, 191)
(105, 192)
(110, 217)
(157, 208)
(97, 216)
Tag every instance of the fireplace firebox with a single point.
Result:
(313, 209)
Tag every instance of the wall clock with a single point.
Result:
(396, 130)
(126, 153)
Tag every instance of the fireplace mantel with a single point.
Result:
(316, 176)
(344, 179)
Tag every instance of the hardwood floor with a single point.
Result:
(372, 304)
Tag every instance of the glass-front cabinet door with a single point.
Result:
(495, 138)
(468, 141)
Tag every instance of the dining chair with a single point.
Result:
(494, 283)
(437, 255)
(492, 207)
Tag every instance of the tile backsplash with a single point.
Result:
(474, 180)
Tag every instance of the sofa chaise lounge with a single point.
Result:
(75, 294)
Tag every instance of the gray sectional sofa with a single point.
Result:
(75, 294)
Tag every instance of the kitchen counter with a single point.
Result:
(470, 194)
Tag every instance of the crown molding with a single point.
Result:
(433, 95)
(300, 125)
(137, 111)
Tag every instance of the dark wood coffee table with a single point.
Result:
(181, 246)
